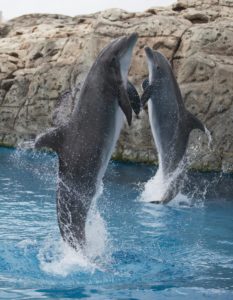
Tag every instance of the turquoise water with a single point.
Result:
(136, 250)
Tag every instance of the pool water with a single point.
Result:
(135, 250)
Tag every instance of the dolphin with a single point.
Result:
(171, 124)
(84, 144)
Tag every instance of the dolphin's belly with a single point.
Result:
(110, 142)
(164, 129)
(154, 129)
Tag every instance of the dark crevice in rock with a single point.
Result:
(197, 19)
(37, 55)
(14, 54)
(158, 45)
(177, 47)
(53, 52)
(151, 11)
(18, 112)
(6, 84)
(81, 20)
(10, 76)
(4, 30)
(3, 137)
(178, 7)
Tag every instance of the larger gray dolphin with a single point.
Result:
(85, 143)
(171, 125)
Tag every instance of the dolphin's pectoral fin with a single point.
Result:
(194, 122)
(122, 94)
(145, 83)
(124, 103)
(146, 95)
(134, 98)
(51, 139)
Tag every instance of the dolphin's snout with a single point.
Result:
(126, 55)
(132, 39)
(149, 53)
(156, 57)
(152, 56)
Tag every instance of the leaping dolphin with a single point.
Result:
(85, 143)
(171, 125)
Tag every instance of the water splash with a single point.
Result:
(25, 145)
(97, 238)
(55, 256)
(25, 159)
(161, 187)
(58, 258)
(210, 139)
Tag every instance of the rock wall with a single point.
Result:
(41, 56)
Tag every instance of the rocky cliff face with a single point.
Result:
(41, 56)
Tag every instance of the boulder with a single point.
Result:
(44, 56)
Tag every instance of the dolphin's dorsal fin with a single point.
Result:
(194, 122)
(134, 98)
(146, 94)
(52, 139)
(145, 83)
(124, 102)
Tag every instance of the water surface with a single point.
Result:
(136, 250)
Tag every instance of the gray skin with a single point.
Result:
(170, 122)
(84, 145)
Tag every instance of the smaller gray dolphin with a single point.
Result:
(85, 143)
(171, 125)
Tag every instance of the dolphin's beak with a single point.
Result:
(128, 45)
(158, 59)
(153, 56)
(126, 55)
(132, 39)
(150, 62)
(149, 53)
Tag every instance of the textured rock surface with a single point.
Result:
(41, 56)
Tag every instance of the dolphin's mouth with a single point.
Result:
(150, 61)
(126, 55)
(149, 53)
(156, 61)
(153, 57)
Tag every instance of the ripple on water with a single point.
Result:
(135, 250)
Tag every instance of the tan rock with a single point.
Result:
(42, 56)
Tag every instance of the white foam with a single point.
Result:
(96, 234)
(181, 200)
(26, 243)
(158, 186)
(58, 258)
(155, 188)
(30, 144)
